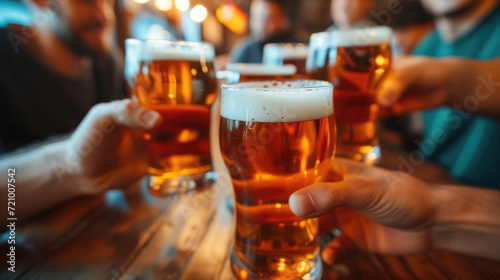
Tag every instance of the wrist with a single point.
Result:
(63, 169)
(466, 221)
(459, 79)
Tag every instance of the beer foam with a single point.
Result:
(172, 50)
(261, 69)
(296, 53)
(362, 37)
(285, 51)
(277, 101)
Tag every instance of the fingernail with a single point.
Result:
(304, 202)
(149, 118)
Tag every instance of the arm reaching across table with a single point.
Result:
(418, 83)
(107, 150)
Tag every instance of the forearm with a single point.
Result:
(43, 178)
(474, 86)
(468, 221)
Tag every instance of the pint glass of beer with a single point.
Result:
(177, 80)
(318, 58)
(275, 138)
(286, 53)
(245, 72)
(363, 57)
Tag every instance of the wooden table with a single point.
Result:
(131, 235)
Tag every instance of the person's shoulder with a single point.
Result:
(246, 42)
(427, 44)
(110, 62)
(9, 41)
(244, 49)
(109, 69)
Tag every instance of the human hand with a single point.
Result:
(380, 211)
(108, 149)
(418, 83)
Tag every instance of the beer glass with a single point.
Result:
(318, 57)
(363, 57)
(286, 53)
(275, 138)
(177, 80)
(244, 72)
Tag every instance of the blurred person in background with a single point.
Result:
(457, 137)
(347, 14)
(56, 69)
(270, 22)
(410, 24)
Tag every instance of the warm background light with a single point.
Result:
(198, 13)
(163, 5)
(182, 5)
(141, 1)
(231, 16)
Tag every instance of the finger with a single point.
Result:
(125, 113)
(398, 81)
(390, 90)
(338, 249)
(316, 200)
(328, 222)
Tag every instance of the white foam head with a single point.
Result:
(277, 101)
(170, 50)
(319, 39)
(285, 51)
(361, 37)
(261, 69)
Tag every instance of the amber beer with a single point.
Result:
(363, 57)
(178, 82)
(276, 54)
(275, 138)
(245, 72)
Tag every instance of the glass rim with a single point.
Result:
(303, 101)
(135, 41)
(260, 69)
(151, 49)
(283, 44)
(306, 85)
(363, 36)
(379, 35)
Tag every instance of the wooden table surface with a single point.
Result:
(130, 234)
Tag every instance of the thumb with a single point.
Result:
(317, 200)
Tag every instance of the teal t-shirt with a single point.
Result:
(467, 145)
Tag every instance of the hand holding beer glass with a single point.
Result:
(275, 138)
(177, 80)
